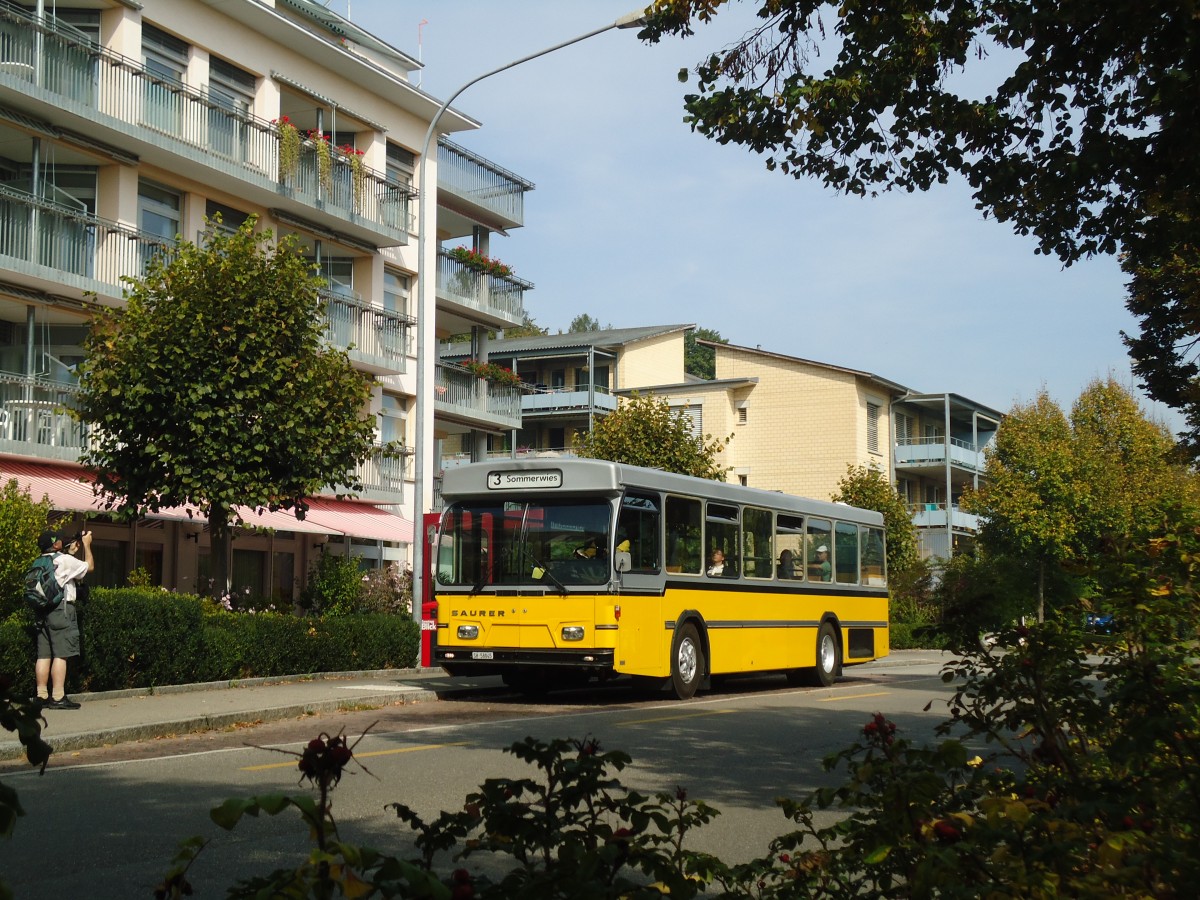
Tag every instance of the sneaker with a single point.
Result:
(64, 703)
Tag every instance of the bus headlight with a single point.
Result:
(572, 633)
(468, 632)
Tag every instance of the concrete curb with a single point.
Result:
(198, 723)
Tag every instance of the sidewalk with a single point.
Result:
(114, 717)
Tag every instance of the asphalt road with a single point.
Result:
(106, 823)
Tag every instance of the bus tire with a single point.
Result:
(829, 661)
(829, 656)
(687, 662)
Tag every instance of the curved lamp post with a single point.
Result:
(420, 460)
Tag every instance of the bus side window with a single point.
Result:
(683, 535)
(874, 556)
(817, 554)
(639, 530)
(789, 541)
(757, 543)
(722, 533)
(845, 553)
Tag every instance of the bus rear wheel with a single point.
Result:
(687, 662)
(829, 661)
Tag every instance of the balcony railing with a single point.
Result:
(932, 450)
(504, 296)
(375, 336)
(34, 418)
(555, 400)
(458, 391)
(36, 234)
(383, 474)
(933, 515)
(482, 183)
(106, 87)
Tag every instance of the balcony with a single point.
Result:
(478, 190)
(383, 475)
(97, 98)
(563, 401)
(466, 297)
(374, 337)
(34, 420)
(61, 247)
(933, 515)
(470, 402)
(917, 453)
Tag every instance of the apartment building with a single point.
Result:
(124, 125)
(568, 382)
(795, 425)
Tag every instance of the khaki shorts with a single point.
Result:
(58, 633)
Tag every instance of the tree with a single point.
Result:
(527, 328)
(1128, 472)
(1029, 502)
(1077, 126)
(22, 519)
(215, 387)
(645, 431)
(701, 361)
(868, 488)
(584, 322)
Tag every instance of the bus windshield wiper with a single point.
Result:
(562, 588)
(478, 586)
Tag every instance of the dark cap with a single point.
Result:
(48, 539)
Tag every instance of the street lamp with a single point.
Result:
(420, 459)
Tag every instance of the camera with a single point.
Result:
(78, 538)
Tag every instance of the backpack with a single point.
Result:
(43, 593)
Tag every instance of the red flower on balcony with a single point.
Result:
(492, 372)
(477, 262)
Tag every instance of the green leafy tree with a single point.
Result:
(1029, 502)
(1128, 470)
(584, 322)
(868, 488)
(22, 519)
(645, 431)
(335, 586)
(215, 387)
(1072, 121)
(701, 361)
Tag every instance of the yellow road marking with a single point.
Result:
(292, 764)
(712, 712)
(852, 696)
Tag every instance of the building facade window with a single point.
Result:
(872, 427)
(159, 210)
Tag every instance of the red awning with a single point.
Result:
(359, 519)
(70, 490)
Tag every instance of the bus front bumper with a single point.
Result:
(498, 659)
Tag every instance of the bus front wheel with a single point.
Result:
(687, 662)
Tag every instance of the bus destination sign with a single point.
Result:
(544, 479)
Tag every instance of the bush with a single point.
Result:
(335, 586)
(387, 590)
(144, 637)
(21, 521)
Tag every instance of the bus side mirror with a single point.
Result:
(622, 561)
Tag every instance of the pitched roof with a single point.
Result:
(608, 339)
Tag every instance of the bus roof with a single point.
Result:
(569, 475)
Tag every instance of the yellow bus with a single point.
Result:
(551, 572)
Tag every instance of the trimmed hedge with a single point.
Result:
(143, 637)
(907, 636)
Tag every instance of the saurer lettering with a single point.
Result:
(479, 613)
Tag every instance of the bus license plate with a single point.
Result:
(481, 654)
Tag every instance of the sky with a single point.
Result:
(636, 220)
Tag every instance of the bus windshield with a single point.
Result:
(485, 542)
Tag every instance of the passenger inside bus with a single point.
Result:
(820, 569)
(787, 564)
